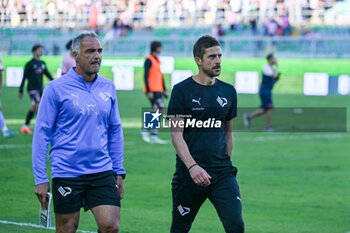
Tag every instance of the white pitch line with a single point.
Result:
(14, 121)
(24, 224)
(13, 146)
(128, 123)
(290, 137)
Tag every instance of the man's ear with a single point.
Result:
(198, 61)
(76, 56)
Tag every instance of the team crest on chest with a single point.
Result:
(104, 95)
(222, 101)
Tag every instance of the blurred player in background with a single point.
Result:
(154, 88)
(68, 60)
(79, 117)
(6, 133)
(33, 71)
(203, 164)
(270, 76)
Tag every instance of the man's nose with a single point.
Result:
(97, 55)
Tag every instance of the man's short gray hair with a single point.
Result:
(76, 44)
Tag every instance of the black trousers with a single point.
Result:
(223, 193)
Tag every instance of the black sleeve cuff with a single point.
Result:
(122, 175)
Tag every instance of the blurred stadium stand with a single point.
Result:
(249, 28)
(323, 42)
(150, 13)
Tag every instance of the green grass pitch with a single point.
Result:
(290, 182)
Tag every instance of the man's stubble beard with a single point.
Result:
(210, 74)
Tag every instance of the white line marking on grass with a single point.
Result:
(296, 137)
(292, 137)
(14, 121)
(14, 146)
(133, 123)
(24, 224)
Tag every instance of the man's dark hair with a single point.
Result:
(35, 47)
(69, 45)
(269, 56)
(155, 45)
(203, 43)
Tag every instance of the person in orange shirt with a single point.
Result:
(154, 88)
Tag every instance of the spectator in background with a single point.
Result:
(264, 25)
(170, 5)
(116, 27)
(74, 12)
(279, 31)
(121, 26)
(93, 16)
(253, 26)
(68, 60)
(231, 19)
(218, 31)
(285, 26)
(272, 27)
(125, 18)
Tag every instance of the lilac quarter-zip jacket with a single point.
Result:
(81, 123)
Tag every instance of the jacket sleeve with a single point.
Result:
(45, 121)
(115, 137)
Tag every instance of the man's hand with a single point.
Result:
(40, 191)
(200, 176)
(150, 95)
(165, 94)
(121, 186)
(20, 95)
